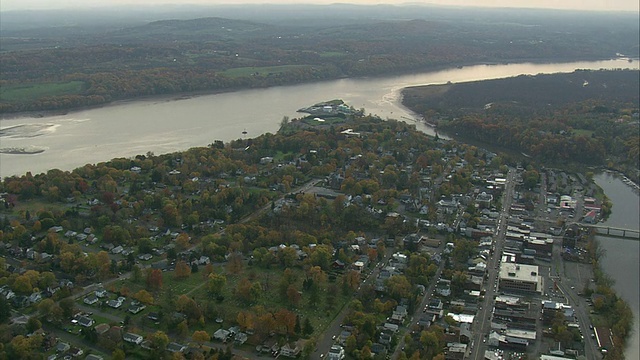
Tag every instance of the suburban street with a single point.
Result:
(334, 329)
(425, 300)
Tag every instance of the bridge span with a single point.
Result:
(613, 231)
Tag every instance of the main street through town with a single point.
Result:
(482, 321)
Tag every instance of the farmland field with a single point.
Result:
(21, 93)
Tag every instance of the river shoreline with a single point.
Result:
(178, 96)
(620, 261)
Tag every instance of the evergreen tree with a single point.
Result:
(5, 310)
(308, 328)
(297, 329)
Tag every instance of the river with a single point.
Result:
(622, 256)
(167, 125)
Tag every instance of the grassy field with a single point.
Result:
(20, 93)
(260, 71)
(584, 132)
(311, 120)
(332, 54)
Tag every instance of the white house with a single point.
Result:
(90, 300)
(133, 338)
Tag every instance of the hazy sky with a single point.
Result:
(625, 5)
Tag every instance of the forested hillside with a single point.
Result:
(590, 117)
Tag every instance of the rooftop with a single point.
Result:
(521, 272)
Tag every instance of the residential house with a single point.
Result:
(175, 347)
(133, 338)
(221, 334)
(35, 297)
(291, 350)
(117, 250)
(204, 260)
(91, 299)
(384, 338)
(378, 349)
(240, 338)
(62, 347)
(76, 352)
(484, 200)
(85, 321)
(114, 303)
(399, 314)
(145, 257)
(134, 309)
(102, 328)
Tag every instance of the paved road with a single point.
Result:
(418, 311)
(482, 321)
(74, 340)
(574, 275)
(326, 340)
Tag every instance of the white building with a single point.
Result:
(520, 278)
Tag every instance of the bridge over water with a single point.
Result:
(614, 231)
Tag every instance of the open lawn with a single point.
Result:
(23, 93)
(311, 120)
(260, 71)
(34, 206)
(583, 132)
(181, 286)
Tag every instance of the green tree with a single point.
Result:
(68, 307)
(118, 354)
(321, 257)
(33, 324)
(182, 329)
(398, 287)
(307, 328)
(159, 341)
(5, 310)
(216, 283)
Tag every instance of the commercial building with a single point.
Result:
(520, 278)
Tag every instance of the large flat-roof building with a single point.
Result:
(520, 278)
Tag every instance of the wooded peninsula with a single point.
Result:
(586, 117)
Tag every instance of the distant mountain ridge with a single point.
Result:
(195, 29)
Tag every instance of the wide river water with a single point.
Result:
(622, 256)
(167, 125)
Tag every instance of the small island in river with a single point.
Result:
(30, 150)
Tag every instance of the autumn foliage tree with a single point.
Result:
(183, 270)
(144, 297)
(154, 279)
(200, 336)
(285, 321)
